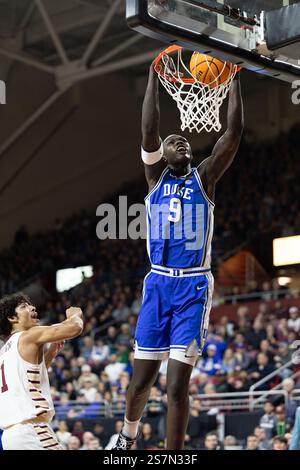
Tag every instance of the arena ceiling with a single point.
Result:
(79, 35)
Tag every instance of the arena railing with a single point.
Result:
(266, 379)
(238, 401)
(221, 402)
(295, 395)
(259, 295)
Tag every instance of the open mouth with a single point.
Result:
(181, 149)
(34, 316)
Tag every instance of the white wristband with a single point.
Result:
(152, 157)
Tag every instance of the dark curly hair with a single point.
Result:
(8, 305)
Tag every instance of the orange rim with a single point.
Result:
(158, 67)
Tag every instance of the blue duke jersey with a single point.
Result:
(180, 221)
(177, 292)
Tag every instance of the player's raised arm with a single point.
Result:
(68, 329)
(152, 147)
(227, 146)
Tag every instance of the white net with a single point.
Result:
(199, 104)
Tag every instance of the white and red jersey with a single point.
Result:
(24, 387)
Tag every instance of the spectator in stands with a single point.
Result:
(121, 312)
(94, 444)
(215, 340)
(114, 368)
(70, 390)
(261, 370)
(229, 361)
(111, 338)
(113, 439)
(63, 434)
(241, 356)
(124, 337)
(295, 442)
(288, 386)
(211, 441)
(162, 383)
(78, 430)
(86, 438)
(283, 424)
(155, 405)
(280, 443)
(122, 353)
(252, 443)
(230, 443)
(132, 321)
(123, 383)
(200, 423)
(73, 443)
(282, 330)
(294, 319)
(100, 432)
(86, 373)
(256, 334)
(263, 442)
(265, 347)
(87, 347)
(283, 355)
(271, 334)
(268, 421)
(88, 391)
(210, 364)
(228, 325)
(99, 353)
(147, 439)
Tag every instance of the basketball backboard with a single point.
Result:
(189, 24)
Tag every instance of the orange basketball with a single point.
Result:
(208, 70)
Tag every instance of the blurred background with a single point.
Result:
(69, 141)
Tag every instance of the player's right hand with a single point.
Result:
(74, 312)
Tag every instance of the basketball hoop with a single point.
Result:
(199, 103)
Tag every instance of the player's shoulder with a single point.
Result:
(27, 335)
(201, 167)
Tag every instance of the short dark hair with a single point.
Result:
(8, 305)
(212, 433)
(281, 439)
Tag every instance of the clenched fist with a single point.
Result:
(74, 312)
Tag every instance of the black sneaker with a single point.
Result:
(124, 442)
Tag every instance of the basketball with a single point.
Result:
(210, 71)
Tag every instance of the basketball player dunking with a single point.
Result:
(26, 406)
(177, 292)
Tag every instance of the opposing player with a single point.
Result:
(26, 406)
(178, 290)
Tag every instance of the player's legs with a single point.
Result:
(152, 340)
(191, 302)
(178, 378)
(30, 436)
(144, 375)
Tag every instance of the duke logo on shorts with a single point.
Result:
(177, 293)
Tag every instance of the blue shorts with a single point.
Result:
(174, 316)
